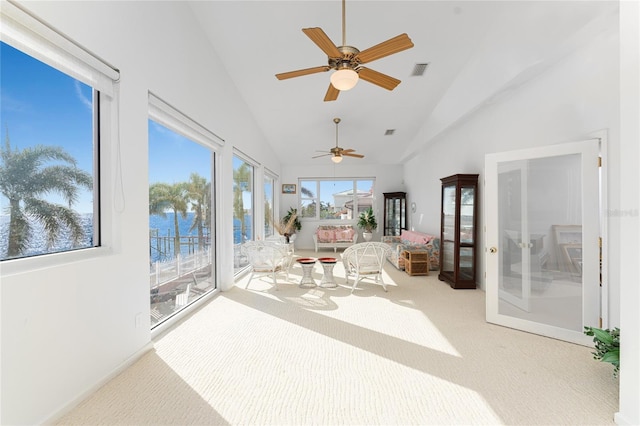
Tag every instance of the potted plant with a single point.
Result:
(607, 345)
(289, 224)
(367, 222)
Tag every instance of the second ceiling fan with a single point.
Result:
(337, 153)
(347, 61)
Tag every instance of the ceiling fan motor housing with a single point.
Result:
(347, 60)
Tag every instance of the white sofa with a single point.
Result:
(334, 236)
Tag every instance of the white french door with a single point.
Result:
(542, 231)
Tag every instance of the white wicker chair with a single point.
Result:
(266, 258)
(365, 260)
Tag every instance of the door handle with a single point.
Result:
(493, 250)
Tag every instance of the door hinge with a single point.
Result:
(599, 161)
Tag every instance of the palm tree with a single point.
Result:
(163, 197)
(241, 183)
(199, 193)
(28, 184)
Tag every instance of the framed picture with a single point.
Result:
(569, 247)
(573, 258)
(568, 234)
(288, 188)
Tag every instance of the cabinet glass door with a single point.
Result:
(448, 228)
(394, 213)
(467, 220)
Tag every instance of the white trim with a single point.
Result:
(246, 158)
(72, 404)
(174, 119)
(171, 322)
(29, 34)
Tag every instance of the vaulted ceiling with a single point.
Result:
(476, 51)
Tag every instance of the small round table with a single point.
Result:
(307, 264)
(327, 278)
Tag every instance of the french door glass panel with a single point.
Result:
(546, 212)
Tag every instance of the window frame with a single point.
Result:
(173, 119)
(31, 36)
(318, 196)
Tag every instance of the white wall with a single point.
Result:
(67, 327)
(388, 179)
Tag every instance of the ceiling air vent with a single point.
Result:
(389, 132)
(419, 69)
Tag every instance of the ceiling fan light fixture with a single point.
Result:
(344, 79)
(336, 158)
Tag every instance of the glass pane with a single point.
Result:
(467, 196)
(364, 193)
(242, 209)
(336, 199)
(395, 215)
(46, 159)
(268, 206)
(448, 257)
(466, 263)
(540, 221)
(448, 212)
(180, 233)
(308, 208)
(308, 199)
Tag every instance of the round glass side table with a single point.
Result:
(327, 265)
(307, 264)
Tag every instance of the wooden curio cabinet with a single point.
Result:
(395, 213)
(458, 230)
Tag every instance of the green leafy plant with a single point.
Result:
(607, 345)
(367, 220)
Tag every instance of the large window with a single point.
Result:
(331, 199)
(181, 211)
(243, 208)
(51, 130)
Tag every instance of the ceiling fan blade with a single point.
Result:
(322, 155)
(322, 41)
(349, 154)
(377, 78)
(332, 93)
(386, 48)
(348, 150)
(298, 73)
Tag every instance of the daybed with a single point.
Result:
(334, 236)
(413, 240)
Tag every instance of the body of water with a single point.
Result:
(38, 241)
(158, 226)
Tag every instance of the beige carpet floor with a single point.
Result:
(420, 354)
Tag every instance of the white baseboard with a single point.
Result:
(58, 414)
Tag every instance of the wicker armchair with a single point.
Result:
(365, 260)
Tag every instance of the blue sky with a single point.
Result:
(172, 157)
(42, 106)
